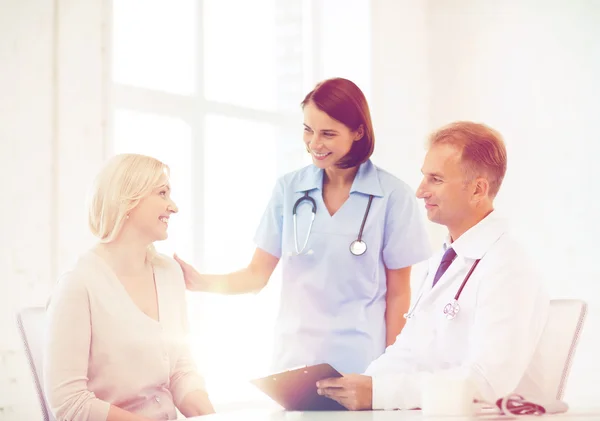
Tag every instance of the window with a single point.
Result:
(212, 88)
(154, 44)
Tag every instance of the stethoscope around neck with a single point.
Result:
(358, 247)
(451, 309)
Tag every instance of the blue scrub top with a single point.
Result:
(332, 306)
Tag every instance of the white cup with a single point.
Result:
(447, 394)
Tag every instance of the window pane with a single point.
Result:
(169, 140)
(154, 44)
(240, 169)
(240, 173)
(253, 53)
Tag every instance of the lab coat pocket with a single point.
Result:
(452, 334)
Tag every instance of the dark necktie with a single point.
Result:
(447, 259)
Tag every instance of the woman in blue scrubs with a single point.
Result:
(340, 304)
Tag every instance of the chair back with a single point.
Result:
(558, 343)
(30, 322)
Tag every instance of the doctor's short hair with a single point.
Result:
(118, 188)
(483, 151)
(343, 101)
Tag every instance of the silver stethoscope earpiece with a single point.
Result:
(358, 247)
(451, 309)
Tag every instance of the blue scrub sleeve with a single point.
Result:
(405, 240)
(268, 236)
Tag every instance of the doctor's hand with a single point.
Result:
(353, 391)
(193, 280)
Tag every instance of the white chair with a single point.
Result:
(30, 322)
(558, 343)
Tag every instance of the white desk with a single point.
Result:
(279, 415)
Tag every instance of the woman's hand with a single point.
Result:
(250, 279)
(193, 280)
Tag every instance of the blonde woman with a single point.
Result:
(115, 345)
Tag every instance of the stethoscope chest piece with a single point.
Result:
(358, 247)
(451, 309)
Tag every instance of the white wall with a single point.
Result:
(51, 142)
(81, 118)
(401, 87)
(26, 166)
(340, 45)
(530, 69)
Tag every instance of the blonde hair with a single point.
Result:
(119, 187)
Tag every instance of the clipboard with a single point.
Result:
(296, 389)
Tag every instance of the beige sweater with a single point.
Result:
(101, 349)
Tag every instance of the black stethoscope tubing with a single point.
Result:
(357, 247)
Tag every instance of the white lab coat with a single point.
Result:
(492, 340)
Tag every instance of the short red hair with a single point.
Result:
(343, 101)
(483, 150)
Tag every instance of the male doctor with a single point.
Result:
(501, 310)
